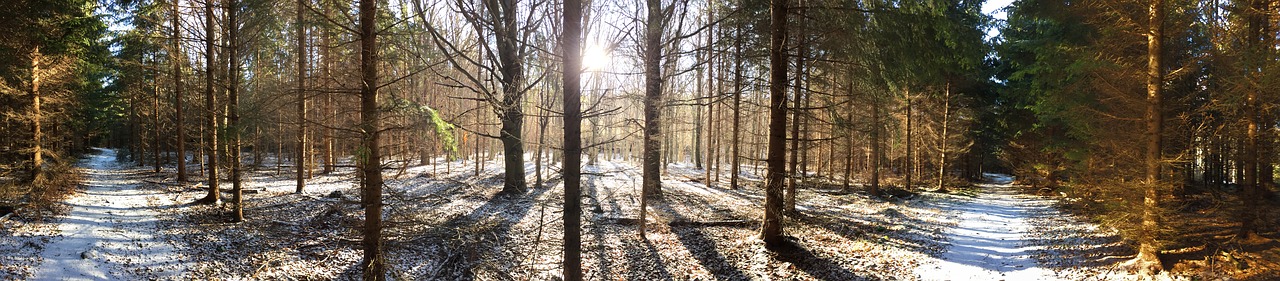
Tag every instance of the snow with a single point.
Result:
(111, 224)
(448, 222)
(991, 239)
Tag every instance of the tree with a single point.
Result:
(571, 45)
(370, 129)
(176, 61)
(211, 108)
(771, 229)
(499, 22)
(301, 46)
(1147, 260)
(233, 107)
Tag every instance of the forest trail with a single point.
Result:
(991, 239)
(110, 232)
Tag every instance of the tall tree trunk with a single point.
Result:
(652, 163)
(771, 229)
(511, 63)
(1257, 44)
(1147, 259)
(175, 58)
(371, 165)
(300, 34)
(155, 118)
(330, 114)
(876, 144)
(907, 178)
(211, 106)
(37, 154)
(735, 156)
(233, 105)
(572, 40)
(798, 93)
(942, 143)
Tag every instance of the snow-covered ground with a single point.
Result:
(110, 233)
(991, 239)
(449, 222)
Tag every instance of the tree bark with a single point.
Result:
(942, 143)
(211, 109)
(735, 164)
(771, 228)
(300, 53)
(1147, 259)
(875, 143)
(233, 105)
(572, 47)
(37, 154)
(175, 57)
(798, 93)
(652, 163)
(371, 165)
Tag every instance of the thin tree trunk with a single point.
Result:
(875, 143)
(735, 164)
(907, 179)
(373, 264)
(175, 57)
(572, 40)
(210, 107)
(798, 93)
(300, 53)
(155, 120)
(942, 152)
(37, 153)
(233, 105)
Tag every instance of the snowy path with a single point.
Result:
(110, 233)
(990, 240)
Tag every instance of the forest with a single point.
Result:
(639, 140)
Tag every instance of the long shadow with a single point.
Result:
(700, 245)
(509, 209)
(818, 267)
(643, 260)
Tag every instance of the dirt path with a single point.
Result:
(991, 239)
(110, 233)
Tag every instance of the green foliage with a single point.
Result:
(425, 118)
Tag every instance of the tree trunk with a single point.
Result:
(907, 178)
(652, 162)
(300, 34)
(798, 93)
(942, 151)
(155, 120)
(875, 143)
(572, 40)
(771, 229)
(1147, 259)
(1256, 44)
(233, 105)
(371, 165)
(211, 109)
(511, 64)
(37, 154)
(735, 164)
(175, 57)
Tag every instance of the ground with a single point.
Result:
(448, 222)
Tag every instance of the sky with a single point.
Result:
(995, 8)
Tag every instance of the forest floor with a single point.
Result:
(449, 222)
(107, 233)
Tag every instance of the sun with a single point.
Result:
(596, 58)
